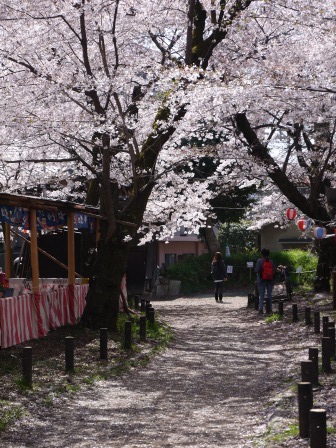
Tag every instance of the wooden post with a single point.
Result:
(313, 356)
(142, 305)
(318, 428)
(307, 371)
(331, 335)
(148, 306)
(280, 305)
(307, 316)
(142, 330)
(326, 366)
(34, 251)
(325, 325)
(256, 301)
(295, 312)
(305, 399)
(7, 269)
(317, 322)
(151, 315)
(71, 248)
(27, 366)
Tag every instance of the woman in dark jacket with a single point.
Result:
(218, 271)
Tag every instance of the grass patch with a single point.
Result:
(281, 437)
(9, 413)
(273, 318)
(23, 386)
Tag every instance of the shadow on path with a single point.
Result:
(209, 389)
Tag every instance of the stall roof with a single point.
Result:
(28, 202)
(17, 200)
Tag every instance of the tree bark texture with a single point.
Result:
(102, 301)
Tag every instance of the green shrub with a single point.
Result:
(194, 272)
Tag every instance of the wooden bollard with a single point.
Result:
(256, 301)
(142, 329)
(331, 335)
(317, 322)
(326, 366)
(307, 371)
(143, 305)
(148, 311)
(280, 308)
(307, 316)
(27, 366)
(69, 353)
(151, 315)
(295, 312)
(305, 399)
(249, 300)
(103, 343)
(313, 356)
(136, 302)
(325, 324)
(128, 335)
(318, 428)
(148, 306)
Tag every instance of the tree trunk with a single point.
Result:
(102, 300)
(326, 250)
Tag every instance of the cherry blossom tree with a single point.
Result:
(111, 90)
(104, 87)
(299, 106)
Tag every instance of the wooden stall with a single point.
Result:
(32, 313)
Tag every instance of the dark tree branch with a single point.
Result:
(188, 52)
(311, 207)
(116, 64)
(73, 159)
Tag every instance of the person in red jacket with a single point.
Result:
(265, 269)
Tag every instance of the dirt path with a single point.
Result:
(212, 388)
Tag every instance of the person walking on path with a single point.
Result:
(218, 272)
(265, 269)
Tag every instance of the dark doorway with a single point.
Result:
(55, 244)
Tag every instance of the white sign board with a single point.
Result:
(250, 264)
(229, 269)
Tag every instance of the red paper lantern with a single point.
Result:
(303, 224)
(320, 232)
(291, 213)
